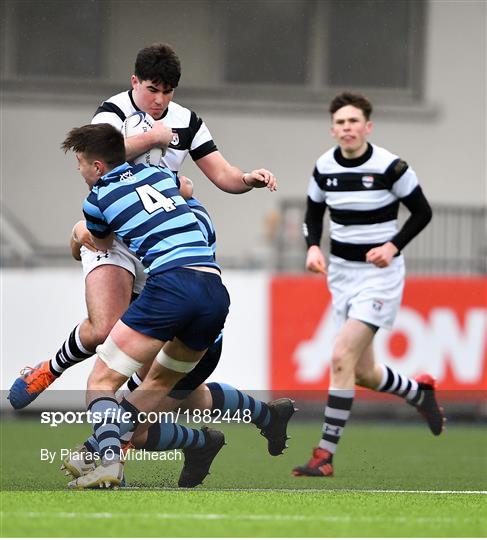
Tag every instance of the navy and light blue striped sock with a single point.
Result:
(127, 425)
(227, 398)
(107, 428)
(168, 436)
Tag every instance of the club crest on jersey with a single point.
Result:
(126, 176)
(377, 305)
(175, 139)
(367, 181)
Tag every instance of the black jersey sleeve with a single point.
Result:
(313, 222)
(201, 141)
(108, 107)
(421, 215)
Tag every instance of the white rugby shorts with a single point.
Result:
(118, 255)
(364, 292)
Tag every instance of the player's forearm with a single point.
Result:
(138, 144)
(313, 222)
(226, 177)
(421, 215)
(231, 180)
(75, 249)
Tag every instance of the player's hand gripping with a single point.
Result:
(82, 236)
(381, 256)
(161, 135)
(315, 260)
(260, 178)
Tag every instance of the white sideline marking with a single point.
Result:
(316, 490)
(236, 517)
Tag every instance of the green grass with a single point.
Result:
(250, 493)
(208, 513)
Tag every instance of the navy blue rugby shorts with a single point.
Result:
(190, 305)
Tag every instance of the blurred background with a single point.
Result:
(261, 75)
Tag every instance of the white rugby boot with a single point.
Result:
(77, 464)
(108, 476)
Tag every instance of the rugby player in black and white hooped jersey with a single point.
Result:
(362, 185)
(112, 276)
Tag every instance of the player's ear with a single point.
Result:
(134, 80)
(99, 167)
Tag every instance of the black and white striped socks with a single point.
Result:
(337, 412)
(71, 353)
(393, 382)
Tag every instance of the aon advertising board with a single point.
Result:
(440, 329)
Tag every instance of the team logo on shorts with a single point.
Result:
(377, 305)
(175, 139)
(367, 181)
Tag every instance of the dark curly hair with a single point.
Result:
(158, 63)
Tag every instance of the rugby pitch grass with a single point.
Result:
(391, 480)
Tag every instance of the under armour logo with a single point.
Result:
(103, 255)
(332, 182)
(334, 431)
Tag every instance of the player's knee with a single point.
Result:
(100, 331)
(117, 360)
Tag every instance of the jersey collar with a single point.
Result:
(355, 162)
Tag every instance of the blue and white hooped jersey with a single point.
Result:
(204, 221)
(143, 207)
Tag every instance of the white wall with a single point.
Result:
(40, 308)
(444, 141)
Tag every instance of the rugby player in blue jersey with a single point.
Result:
(113, 275)
(191, 393)
(179, 313)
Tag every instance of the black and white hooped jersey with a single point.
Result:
(363, 197)
(190, 134)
